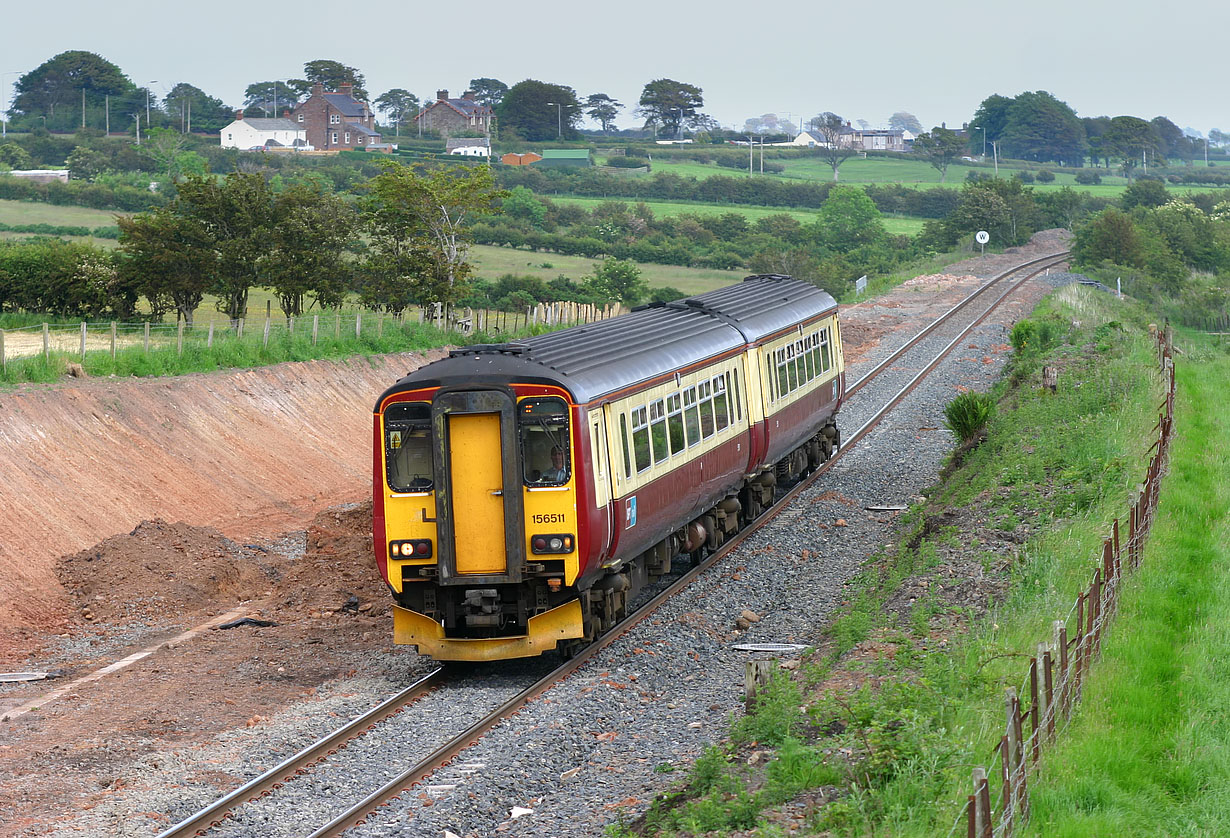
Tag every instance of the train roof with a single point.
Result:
(597, 359)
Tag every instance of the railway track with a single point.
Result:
(959, 321)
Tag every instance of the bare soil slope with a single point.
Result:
(250, 452)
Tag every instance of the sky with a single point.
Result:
(865, 61)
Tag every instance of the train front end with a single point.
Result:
(475, 517)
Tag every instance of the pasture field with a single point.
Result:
(34, 212)
(897, 225)
(493, 262)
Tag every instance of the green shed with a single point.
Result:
(559, 158)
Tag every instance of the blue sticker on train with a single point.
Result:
(631, 512)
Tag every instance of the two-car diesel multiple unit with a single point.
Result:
(525, 491)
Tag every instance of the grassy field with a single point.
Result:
(897, 225)
(1148, 752)
(33, 212)
(492, 262)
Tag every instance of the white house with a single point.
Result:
(263, 133)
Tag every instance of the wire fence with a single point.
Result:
(58, 339)
(1037, 712)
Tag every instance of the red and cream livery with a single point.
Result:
(524, 491)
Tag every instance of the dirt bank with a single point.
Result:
(250, 453)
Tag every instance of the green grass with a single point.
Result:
(897, 225)
(493, 262)
(34, 212)
(1148, 753)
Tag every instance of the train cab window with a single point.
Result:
(705, 398)
(721, 407)
(657, 430)
(542, 428)
(407, 447)
(640, 438)
(691, 416)
(674, 422)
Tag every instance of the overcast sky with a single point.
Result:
(861, 60)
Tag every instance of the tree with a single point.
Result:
(332, 75)
(167, 256)
(236, 214)
(14, 156)
(312, 229)
(668, 105)
(1040, 127)
(489, 92)
(939, 147)
(905, 121)
(194, 106)
(60, 82)
(1218, 137)
(84, 163)
(419, 224)
(848, 219)
(837, 147)
(1095, 128)
(1131, 139)
(399, 104)
(603, 110)
(619, 279)
(989, 121)
(1169, 137)
(271, 97)
(1110, 236)
(538, 111)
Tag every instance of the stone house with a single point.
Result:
(336, 120)
(455, 116)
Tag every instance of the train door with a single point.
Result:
(602, 475)
(478, 502)
(476, 460)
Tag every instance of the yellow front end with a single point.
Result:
(545, 630)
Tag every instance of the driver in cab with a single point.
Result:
(558, 473)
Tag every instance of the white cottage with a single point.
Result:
(263, 133)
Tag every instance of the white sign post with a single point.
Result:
(860, 284)
(982, 237)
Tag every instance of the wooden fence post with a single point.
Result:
(146, 337)
(380, 323)
(315, 327)
(83, 331)
(46, 343)
(239, 329)
(1048, 691)
(358, 324)
(1035, 719)
(4, 361)
(113, 340)
(980, 806)
(266, 338)
(756, 675)
(179, 338)
(209, 340)
(337, 324)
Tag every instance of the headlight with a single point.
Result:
(552, 543)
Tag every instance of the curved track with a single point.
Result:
(996, 290)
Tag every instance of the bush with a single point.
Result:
(968, 413)
(626, 162)
(1025, 176)
(1088, 178)
(1046, 176)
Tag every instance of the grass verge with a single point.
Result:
(1149, 751)
(903, 693)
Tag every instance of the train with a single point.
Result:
(524, 492)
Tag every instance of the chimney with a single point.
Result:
(346, 88)
(239, 114)
(441, 95)
(285, 114)
(318, 89)
(469, 94)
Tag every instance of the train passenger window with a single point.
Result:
(734, 375)
(705, 398)
(783, 380)
(624, 444)
(542, 428)
(657, 430)
(407, 447)
(792, 370)
(824, 350)
(721, 407)
(640, 438)
(674, 422)
(815, 353)
(691, 416)
(809, 361)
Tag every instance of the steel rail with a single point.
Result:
(1050, 260)
(414, 776)
(213, 815)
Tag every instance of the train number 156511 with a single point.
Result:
(550, 518)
